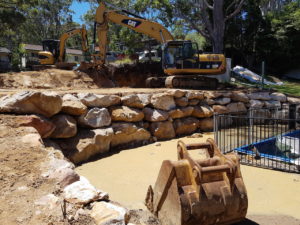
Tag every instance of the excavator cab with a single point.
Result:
(181, 55)
(50, 52)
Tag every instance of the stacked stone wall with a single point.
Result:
(87, 124)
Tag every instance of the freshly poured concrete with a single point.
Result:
(127, 175)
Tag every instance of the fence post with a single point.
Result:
(292, 116)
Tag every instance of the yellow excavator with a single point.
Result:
(182, 61)
(54, 51)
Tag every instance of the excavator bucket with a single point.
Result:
(205, 191)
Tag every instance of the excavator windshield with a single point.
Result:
(181, 55)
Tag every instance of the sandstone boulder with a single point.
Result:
(126, 114)
(186, 125)
(125, 133)
(222, 101)
(176, 93)
(195, 95)
(86, 144)
(136, 100)
(206, 124)
(106, 213)
(220, 109)
(194, 102)
(65, 126)
(210, 101)
(236, 107)
(212, 94)
(155, 115)
(181, 112)
(43, 126)
(163, 101)
(202, 111)
(73, 107)
(293, 100)
(182, 102)
(239, 97)
(32, 140)
(69, 97)
(162, 130)
(65, 176)
(82, 192)
(94, 100)
(276, 96)
(256, 104)
(46, 103)
(260, 96)
(95, 118)
(272, 104)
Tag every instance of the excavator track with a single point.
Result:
(191, 82)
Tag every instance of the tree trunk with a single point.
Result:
(218, 27)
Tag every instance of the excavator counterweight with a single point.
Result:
(205, 191)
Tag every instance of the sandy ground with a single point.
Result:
(274, 197)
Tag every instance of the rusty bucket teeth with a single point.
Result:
(202, 191)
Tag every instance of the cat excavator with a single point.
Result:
(54, 51)
(183, 63)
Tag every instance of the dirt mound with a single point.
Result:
(128, 75)
(46, 79)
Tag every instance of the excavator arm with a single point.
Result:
(138, 24)
(82, 31)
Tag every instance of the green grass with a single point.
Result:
(288, 87)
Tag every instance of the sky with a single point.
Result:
(79, 10)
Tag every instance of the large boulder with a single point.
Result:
(182, 102)
(106, 213)
(86, 144)
(222, 101)
(43, 125)
(276, 96)
(155, 115)
(176, 93)
(94, 100)
(72, 105)
(126, 114)
(194, 95)
(186, 125)
(272, 104)
(136, 100)
(65, 126)
(194, 101)
(44, 103)
(65, 176)
(256, 104)
(202, 111)
(236, 107)
(239, 97)
(126, 133)
(293, 100)
(95, 118)
(181, 112)
(162, 130)
(220, 109)
(212, 94)
(163, 101)
(206, 124)
(260, 96)
(82, 192)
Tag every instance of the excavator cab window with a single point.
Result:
(181, 55)
(51, 46)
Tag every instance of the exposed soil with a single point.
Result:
(22, 184)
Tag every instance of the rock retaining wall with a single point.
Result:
(87, 124)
